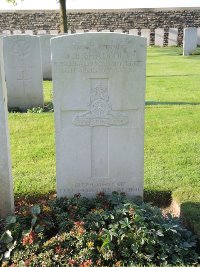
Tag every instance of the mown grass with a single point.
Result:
(172, 136)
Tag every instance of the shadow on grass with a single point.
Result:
(154, 103)
(171, 75)
(48, 107)
(162, 199)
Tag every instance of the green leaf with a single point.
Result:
(6, 237)
(39, 228)
(26, 232)
(35, 210)
(11, 219)
(159, 233)
(33, 222)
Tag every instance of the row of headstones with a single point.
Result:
(99, 127)
(28, 62)
(158, 33)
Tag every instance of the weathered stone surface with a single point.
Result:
(99, 88)
(17, 32)
(133, 31)
(159, 36)
(173, 37)
(6, 186)
(46, 55)
(23, 71)
(198, 36)
(189, 41)
(30, 32)
(146, 33)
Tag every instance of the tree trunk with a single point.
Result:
(63, 14)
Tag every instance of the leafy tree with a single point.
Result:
(63, 14)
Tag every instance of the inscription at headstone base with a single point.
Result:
(6, 187)
(99, 88)
(23, 69)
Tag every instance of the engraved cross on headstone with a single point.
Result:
(100, 118)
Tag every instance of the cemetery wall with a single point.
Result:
(124, 19)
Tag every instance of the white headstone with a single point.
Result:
(79, 31)
(6, 186)
(46, 55)
(42, 32)
(173, 36)
(189, 41)
(23, 70)
(99, 91)
(118, 30)
(159, 36)
(93, 30)
(133, 31)
(146, 33)
(54, 32)
(17, 32)
(29, 32)
(7, 32)
(198, 36)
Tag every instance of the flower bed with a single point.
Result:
(105, 231)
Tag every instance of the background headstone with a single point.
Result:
(6, 186)
(189, 41)
(54, 32)
(23, 70)
(93, 30)
(30, 32)
(17, 32)
(46, 55)
(133, 31)
(118, 30)
(42, 32)
(79, 31)
(198, 36)
(159, 36)
(7, 32)
(99, 90)
(146, 33)
(173, 36)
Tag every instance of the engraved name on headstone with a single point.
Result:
(6, 186)
(23, 71)
(99, 88)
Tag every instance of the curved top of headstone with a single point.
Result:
(93, 40)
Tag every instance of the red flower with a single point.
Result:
(71, 262)
(27, 262)
(58, 249)
(86, 263)
(29, 238)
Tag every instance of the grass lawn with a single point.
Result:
(172, 136)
